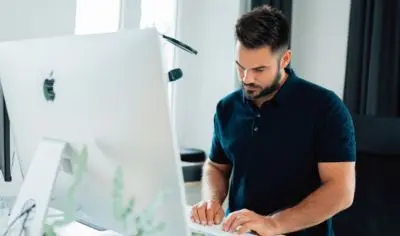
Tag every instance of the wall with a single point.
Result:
(319, 41)
(130, 14)
(26, 19)
(207, 26)
(39, 18)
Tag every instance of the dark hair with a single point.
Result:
(263, 26)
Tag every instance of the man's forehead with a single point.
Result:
(253, 57)
(249, 61)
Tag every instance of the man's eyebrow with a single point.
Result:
(239, 65)
(255, 68)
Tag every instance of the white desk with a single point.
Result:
(76, 228)
(71, 229)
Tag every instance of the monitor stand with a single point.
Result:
(36, 190)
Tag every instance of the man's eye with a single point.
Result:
(259, 70)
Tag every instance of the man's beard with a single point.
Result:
(264, 91)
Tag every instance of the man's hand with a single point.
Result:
(245, 221)
(207, 213)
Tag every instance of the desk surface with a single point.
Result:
(76, 228)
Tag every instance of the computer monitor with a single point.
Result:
(106, 93)
(5, 157)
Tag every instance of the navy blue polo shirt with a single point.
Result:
(274, 150)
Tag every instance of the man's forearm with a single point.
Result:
(321, 205)
(214, 183)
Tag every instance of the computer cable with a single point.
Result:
(22, 214)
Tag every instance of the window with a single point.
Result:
(97, 16)
(103, 16)
(161, 14)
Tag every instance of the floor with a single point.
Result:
(193, 192)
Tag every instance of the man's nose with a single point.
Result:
(247, 77)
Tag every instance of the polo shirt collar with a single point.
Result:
(284, 91)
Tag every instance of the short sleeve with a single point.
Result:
(336, 136)
(217, 154)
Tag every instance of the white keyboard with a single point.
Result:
(209, 230)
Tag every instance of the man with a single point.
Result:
(286, 145)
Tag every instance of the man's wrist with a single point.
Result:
(217, 199)
(274, 225)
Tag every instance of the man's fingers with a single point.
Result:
(245, 228)
(210, 212)
(239, 221)
(195, 215)
(201, 211)
(207, 213)
(229, 221)
(219, 216)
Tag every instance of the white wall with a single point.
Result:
(28, 19)
(319, 41)
(207, 26)
(130, 14)
(38, 18)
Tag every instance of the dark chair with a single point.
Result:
(192, 160)
(376, 207)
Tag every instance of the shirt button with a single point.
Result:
(255, 129)
(258, 115)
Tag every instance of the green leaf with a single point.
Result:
(78, 175)
(117, 194)
(128, 209)
(49, 230)
(144, 223)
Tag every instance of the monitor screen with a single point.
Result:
(5, 159)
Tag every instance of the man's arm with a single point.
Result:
(335, 195)
(215, 188)
(217, 169)
(215, 181)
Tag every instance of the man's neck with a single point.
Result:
(260, 101)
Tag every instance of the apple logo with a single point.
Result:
(48, 88)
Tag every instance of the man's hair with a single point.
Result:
(263, 26)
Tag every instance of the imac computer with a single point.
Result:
(92, 128)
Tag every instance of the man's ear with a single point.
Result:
(286, 57)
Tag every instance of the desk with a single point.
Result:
(71, 229)
(76, 228)
(193, 195)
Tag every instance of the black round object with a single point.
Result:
(192, 155)
(192, 172)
